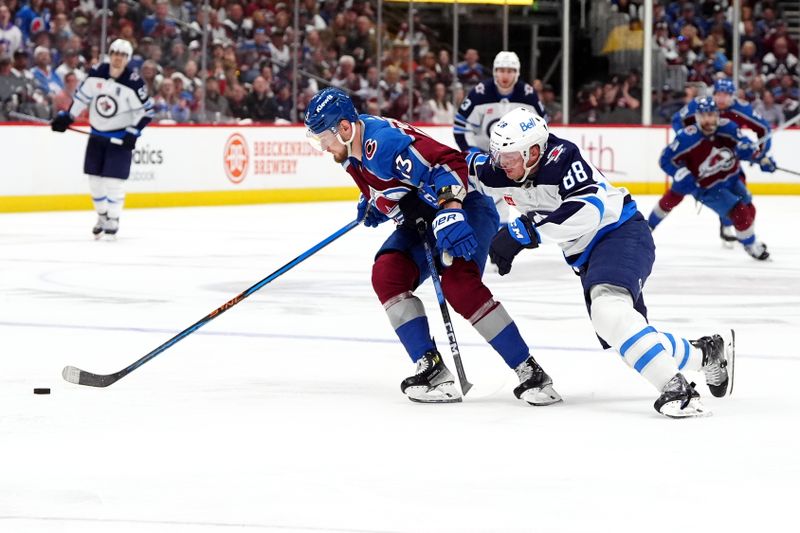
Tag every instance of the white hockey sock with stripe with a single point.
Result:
(686, 356)
(97, 188)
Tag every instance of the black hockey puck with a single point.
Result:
(41, 391)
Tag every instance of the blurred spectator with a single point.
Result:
(749, 63)
(237, 96)
(260, 102)
(47, 81)
(553, 108)
(712, 55)
(778, 62)
(62, 100)
(279, 52)
(33, 18)
(168, 106)
(346, 77)
(445, 71)
(159, 26)
(787, 95)
(470, 71)
(217, 108)
(688, 17)
(769, 110)
(283, 102)
(684, 55)
(10, 34)
(439, 109)
(71, 65)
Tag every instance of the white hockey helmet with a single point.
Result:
(506, 59)
(514, 135)
(121, 46)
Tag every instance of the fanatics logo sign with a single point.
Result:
(235, 158)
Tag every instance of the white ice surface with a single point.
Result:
(285, 413)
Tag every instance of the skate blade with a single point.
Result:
(547, 395)
(695, 409)
(446, 392)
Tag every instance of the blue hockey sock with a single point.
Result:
(416, 337)
(500, 331)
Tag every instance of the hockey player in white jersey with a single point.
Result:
(119, 108)
(607, 241)
(490, 100)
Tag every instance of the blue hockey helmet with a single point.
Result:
(324, 112)
(706, 104)
(724, 85)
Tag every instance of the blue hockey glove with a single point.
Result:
(454, 234)
(510, 241)
(684, 182)
(415, 205)
(767, 164)
(129, 140)
(369, 213)
(745, 150)
(61, 121)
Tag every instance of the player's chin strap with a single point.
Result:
(348, 143)
(529, 169)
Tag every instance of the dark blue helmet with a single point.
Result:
(724, 85)
(327, 108)
(706, 104)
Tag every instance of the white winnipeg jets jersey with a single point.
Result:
(114, 103)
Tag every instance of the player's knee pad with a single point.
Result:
(670, 199)
(115, 189)
(743, 215)
(613, 314)
(393, 273)
(97, 187)
(463, 288)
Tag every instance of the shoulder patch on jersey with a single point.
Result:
(370, 147)
(690, 130)
(724, 121)
(528, 89)
(480, 88)
(554, 154)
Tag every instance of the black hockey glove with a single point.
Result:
(61, 121)
(510, 241)
(129, 140)
(414, 206)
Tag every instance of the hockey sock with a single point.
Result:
(686, 356)
(97, 188)
(498, 328)
(115, 194)
(743, 217)
(394, 276)
(621, 326)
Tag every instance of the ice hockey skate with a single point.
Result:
(758, 250)
(728, 236)
(432, 382)
(719, 352)
(97, 230)
(111, 227)
(535, 386)
(679, 399)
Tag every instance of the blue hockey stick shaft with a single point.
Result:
(82, 377)
(448, 324)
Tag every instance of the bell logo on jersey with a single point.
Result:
(370, 147)
(718, 160)
(106, 106)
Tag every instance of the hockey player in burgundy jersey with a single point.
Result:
(404, 175)
(736, 111)
(566, 200)
(704, 161)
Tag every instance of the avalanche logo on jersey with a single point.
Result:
(106, 106)
(386, 201)
(554, 154)
(370, 147)
(720, 159)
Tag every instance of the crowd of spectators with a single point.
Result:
(48, 46)
(698, 36)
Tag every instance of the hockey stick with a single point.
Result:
(787, 170)
(792, 121)
(37, 120)
(82, 377)
(448, 324)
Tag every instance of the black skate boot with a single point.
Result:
(535, 386)
(719, 352)
(728, 235)
(679, 399)
(432, 383)
(111, 227)
(758, 250)
(97, 230)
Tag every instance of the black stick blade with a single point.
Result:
(81, 377)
